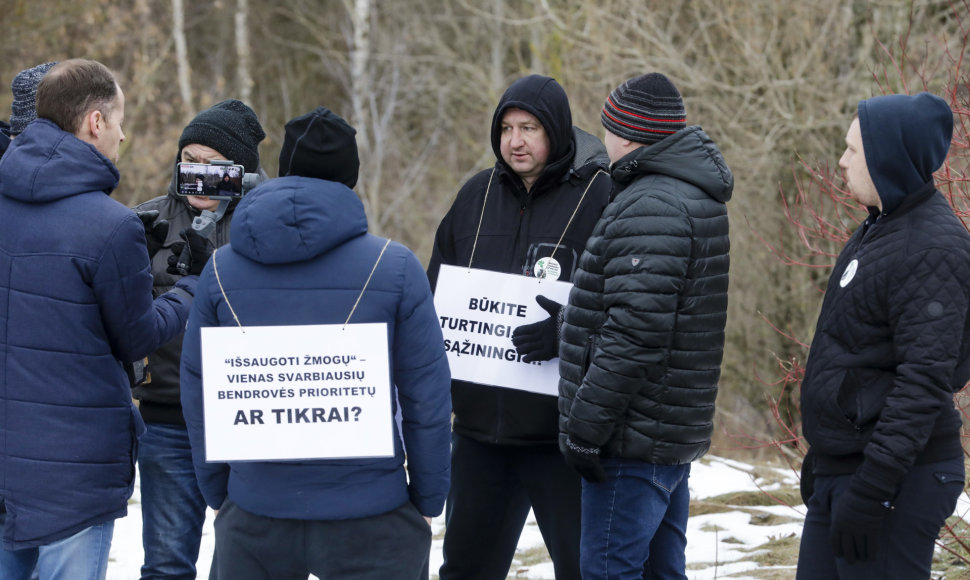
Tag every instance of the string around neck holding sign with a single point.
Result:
(215, 270)
(550, 269)
(371, 275)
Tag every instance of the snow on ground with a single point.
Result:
(715, 542)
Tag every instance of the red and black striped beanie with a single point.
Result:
(644, 109)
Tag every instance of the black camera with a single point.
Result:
(217, 179)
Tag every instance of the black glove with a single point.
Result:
(190, 255)
(857, 522)
(156, 230)
(807, 481)
(539, 341)
(585, 459)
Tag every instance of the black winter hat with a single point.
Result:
(644, 109)
(229, 127)
(320, 144)
(23, 109)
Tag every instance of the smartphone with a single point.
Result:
(216, 181)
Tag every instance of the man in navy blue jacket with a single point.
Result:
(299, 254)
(75, 304)
(891, 347)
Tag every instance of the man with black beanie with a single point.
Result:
(301, 256)
(173, 510)
(891, 347)
(536, 206)
(643, 334)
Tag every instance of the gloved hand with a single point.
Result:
(857, 522)
(539, 341)
(585, 459)
(156, 230)
(807, 480)
(190, 255)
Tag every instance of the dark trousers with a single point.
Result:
(390, 546)
(492, 489)
(927, 496)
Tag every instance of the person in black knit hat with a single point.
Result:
(643, 334)
(173, 510)
(320, 144)
(300, 256)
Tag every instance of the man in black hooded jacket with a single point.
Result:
(891, 346)
(541, 200)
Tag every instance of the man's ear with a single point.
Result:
(95, 123)
(91, 127)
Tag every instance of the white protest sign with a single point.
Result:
(478, 311)
(296, 392)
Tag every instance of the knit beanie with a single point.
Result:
(229, 127)
(24, 88)
(644, 109)
(320, 144)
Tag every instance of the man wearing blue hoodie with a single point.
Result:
(299, 254)
(891, 346)
(75, 304)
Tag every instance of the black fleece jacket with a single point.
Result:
(518, 228)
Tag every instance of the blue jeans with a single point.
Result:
(173, 509)
(635, 523)
(926, 496)
(83, 556)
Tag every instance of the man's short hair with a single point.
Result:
(73, 88)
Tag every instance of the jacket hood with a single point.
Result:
(688, 155)
(45, 163)
(293, 219)
(590, 156)
(905, 139)
(544, 98)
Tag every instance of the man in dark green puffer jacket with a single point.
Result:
(643, 334)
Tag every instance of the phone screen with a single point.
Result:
(219, 181)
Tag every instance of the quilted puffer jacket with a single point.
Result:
(75, 303)
(892, 342)
(300, 254)
(643, 334)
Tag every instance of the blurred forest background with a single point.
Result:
(774, 82)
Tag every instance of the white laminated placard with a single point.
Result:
(296, 392)
(478, 311)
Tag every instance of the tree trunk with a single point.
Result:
(243, 71)
(182, 59)
(361, 98)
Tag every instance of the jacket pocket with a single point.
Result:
(862, 396)
(592, 342)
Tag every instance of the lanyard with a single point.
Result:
(568, 223)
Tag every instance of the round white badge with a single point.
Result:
(547, 268)
(849, 273)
